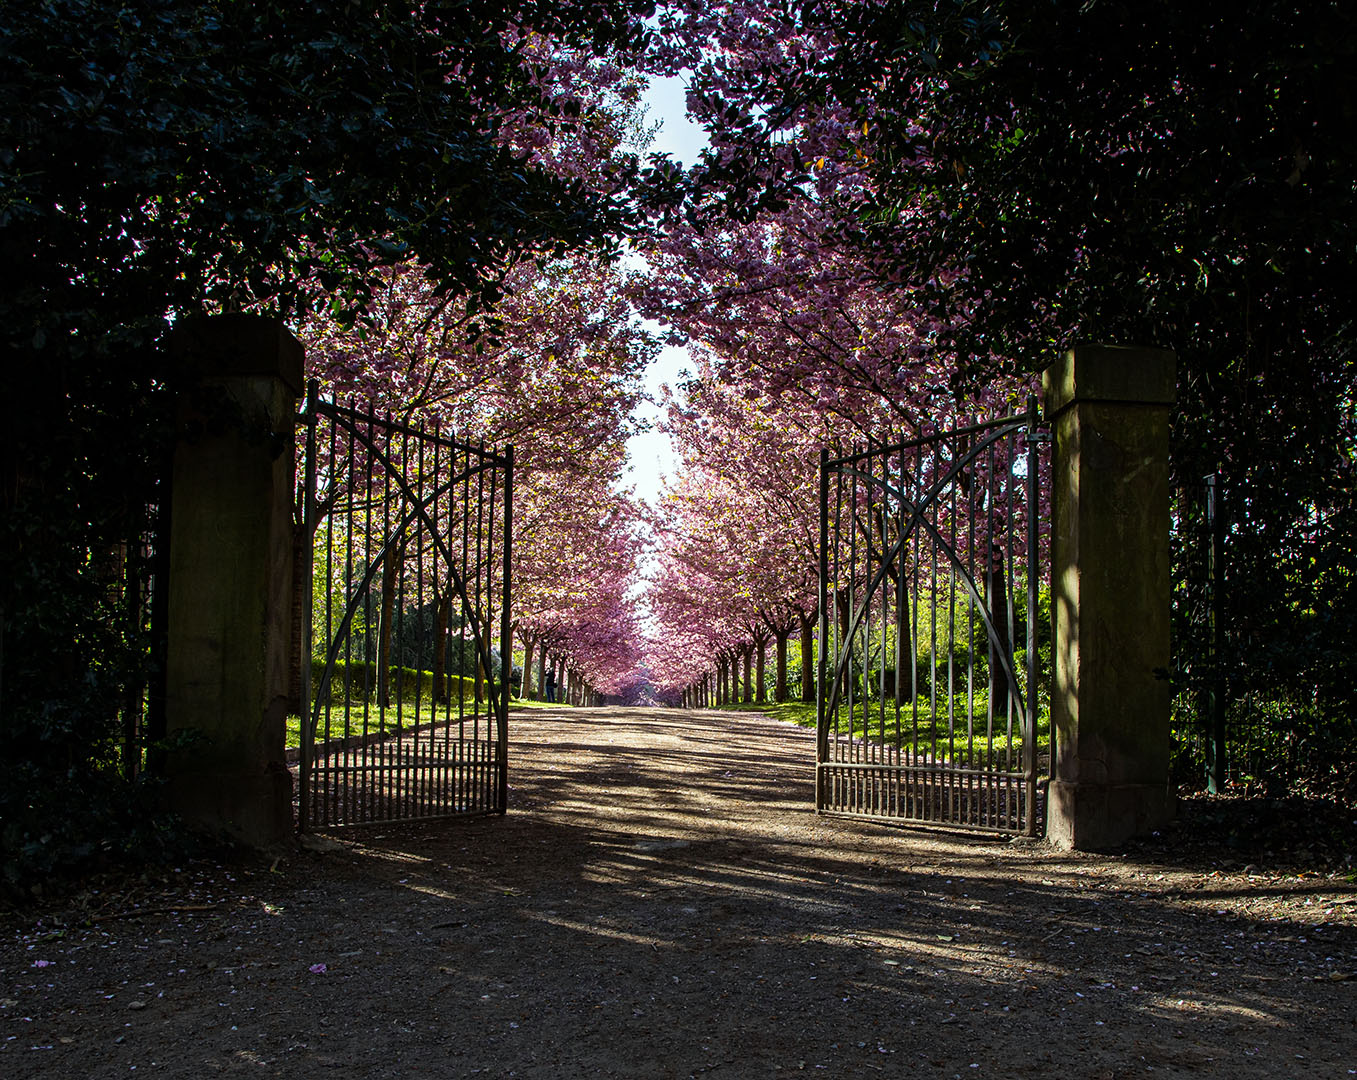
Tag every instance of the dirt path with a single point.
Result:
(661, 902)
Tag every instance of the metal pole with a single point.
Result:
(305, 723)
(1033, 696)
(505, 635)
(822, 645)
(1215, 743)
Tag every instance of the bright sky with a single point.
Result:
(651, 454)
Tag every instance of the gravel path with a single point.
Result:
(662, 902)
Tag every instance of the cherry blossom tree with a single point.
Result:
(810, 343)
(763, 460)
(576, 552)
(553, 369)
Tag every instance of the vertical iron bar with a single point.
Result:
(357, 805)
(952, 778)
(1012, 760)
(846, 632)
(438, 764)
(917, 543)
(884, 621)
(447, 780)
(1215, 589)
(339, 759)
(972, 610)
(405, 764)
(930, 777)
(160, 613)
(506, 654)
(485, 618)
(821, 691)
(306, 722)
(380, 798)
(463, 757)
(417, 787)
(1033, 696)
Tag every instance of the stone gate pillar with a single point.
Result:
(1109, 408)
(230, 577)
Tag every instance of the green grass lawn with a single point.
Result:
(801, 713)
(408, 715)
(915, 729)
(359, 713)
(377, 720)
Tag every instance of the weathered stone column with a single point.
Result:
(1110, 594)
(230, 595)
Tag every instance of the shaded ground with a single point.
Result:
(661, 902)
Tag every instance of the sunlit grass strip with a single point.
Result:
(929, 732)
(527, 703)
(357, 715)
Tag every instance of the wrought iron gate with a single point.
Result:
(928, 708)
(404, 701)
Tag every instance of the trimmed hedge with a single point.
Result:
(356, 680)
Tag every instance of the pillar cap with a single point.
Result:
(1110, 373)
(211, 346)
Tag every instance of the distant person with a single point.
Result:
(551, 685)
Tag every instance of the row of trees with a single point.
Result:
(378, 171)
(908, 207)
(1003, 180)
(803, 341)
(559, 380)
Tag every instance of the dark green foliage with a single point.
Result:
(356, 680)
(172, 155)
(1162, 174)
(163, 159)
(74, 653)
(80, 818)
(413, 642)
(1152, 174)
(1281, 662)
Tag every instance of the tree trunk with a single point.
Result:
(780, 656)
(300, 583)
(482, 659)
(748, 657)
(385, 630)
(904, 647)
(807, 621)
(998, 606)
(442, 612)
(760, 660)
(529, 646)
